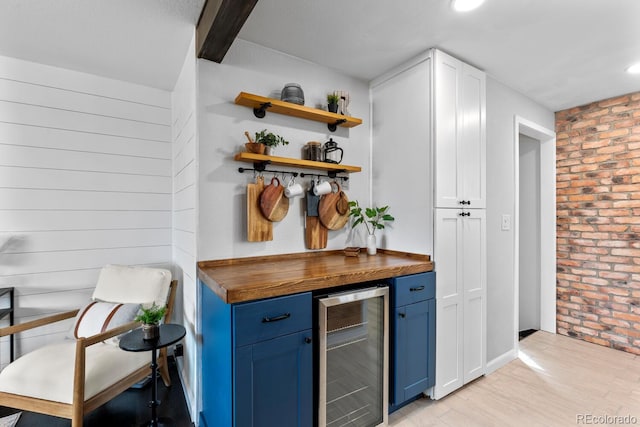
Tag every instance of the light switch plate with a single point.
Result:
(506, 222)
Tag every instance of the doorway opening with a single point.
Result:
(529, 236)
(535, 228)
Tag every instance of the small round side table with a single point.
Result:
(169, 334)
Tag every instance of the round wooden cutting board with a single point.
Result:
(334, 209)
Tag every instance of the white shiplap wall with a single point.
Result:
(85, 180)
(185, 201)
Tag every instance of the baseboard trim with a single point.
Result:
(500, 361)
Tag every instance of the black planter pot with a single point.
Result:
(333, 108)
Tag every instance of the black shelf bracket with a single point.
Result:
(262, 111)
(333, 126)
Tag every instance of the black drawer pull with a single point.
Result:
(275, 319)
(419, 288)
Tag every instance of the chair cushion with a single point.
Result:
(133, 285)
(47, 373)
(97, 317)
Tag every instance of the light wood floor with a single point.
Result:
(554, 380)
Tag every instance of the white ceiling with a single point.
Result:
(561, 53)
(141, 41)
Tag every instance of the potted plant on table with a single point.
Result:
(373, 218)
(150, 318)
(332, 102)
(270, 140)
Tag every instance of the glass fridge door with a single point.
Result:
(353, 358)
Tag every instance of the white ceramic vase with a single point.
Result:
(371, 244)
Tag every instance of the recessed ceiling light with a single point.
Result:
(634, 69)
(465, 5)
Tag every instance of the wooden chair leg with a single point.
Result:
(164, 368)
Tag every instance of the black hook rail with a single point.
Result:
(330, 174)
(262, 169)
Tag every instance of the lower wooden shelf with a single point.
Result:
(287, 161)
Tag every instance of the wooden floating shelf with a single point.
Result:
(261, 104)
(287, 161)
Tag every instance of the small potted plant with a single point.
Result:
(373, 218)
(270, 140)
(332, 102)
(150, 318)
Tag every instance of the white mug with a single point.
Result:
(293, 190)
(322, 188)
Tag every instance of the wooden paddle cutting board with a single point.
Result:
(259, 228)
(315, 234)
(273, 204)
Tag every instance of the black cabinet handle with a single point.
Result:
(402, 315)
(307, 340)
(277, 318)
(416, 289)
(464, 214)
(464, 202)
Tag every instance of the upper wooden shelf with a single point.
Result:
(260, 104)
(287, 161)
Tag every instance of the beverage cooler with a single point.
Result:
(352, 359)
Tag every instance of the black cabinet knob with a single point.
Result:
(402, 315)
(307, 340)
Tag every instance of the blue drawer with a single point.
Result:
(262, 320)
(414, 288)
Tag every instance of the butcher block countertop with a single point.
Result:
(246, 279)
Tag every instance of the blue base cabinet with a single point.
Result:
(257, 362)
(413, 337)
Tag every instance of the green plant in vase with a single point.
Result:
(373, 218)
(270, 140)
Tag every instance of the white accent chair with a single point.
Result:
(71, 378)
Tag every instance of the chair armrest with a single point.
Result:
(10, 330)
(94, 339)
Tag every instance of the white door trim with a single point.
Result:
(547, 140)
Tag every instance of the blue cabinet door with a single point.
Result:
(414, 350)
(274, 382)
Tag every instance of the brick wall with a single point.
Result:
(598, 209)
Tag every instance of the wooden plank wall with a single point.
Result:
(185, 196)
(85, 180)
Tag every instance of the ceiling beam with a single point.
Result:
(220, 23)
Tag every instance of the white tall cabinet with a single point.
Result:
(459, 153)
(428, 164)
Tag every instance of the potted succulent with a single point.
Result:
(332, 102)
(150, 318)
(373, 218)
(270, 140)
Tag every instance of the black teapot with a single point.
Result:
(331, 152)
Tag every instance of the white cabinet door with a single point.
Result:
(447, 71)
(459, 130)
(472, 142)
(449, 302)
(460, 259)
(474, 287)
